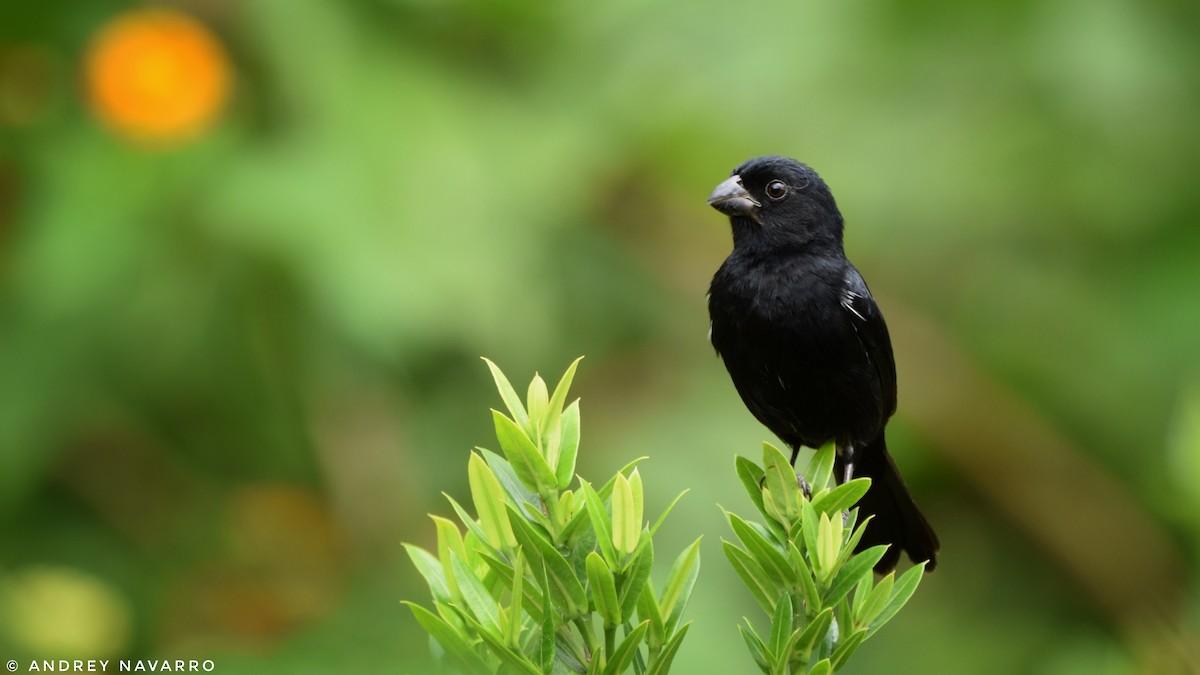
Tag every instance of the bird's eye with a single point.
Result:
(776, 190)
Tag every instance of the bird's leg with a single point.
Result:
(848, 455)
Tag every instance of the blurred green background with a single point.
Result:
(237, 369)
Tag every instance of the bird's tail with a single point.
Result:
(897, 520)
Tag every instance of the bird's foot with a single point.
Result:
(804, 487)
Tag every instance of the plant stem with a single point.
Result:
(550, 508)
(578, 651)
(589, 638)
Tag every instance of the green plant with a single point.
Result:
(799, 563)
(547, 579)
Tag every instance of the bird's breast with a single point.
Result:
(790, 349)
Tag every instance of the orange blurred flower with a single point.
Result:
(157, 75)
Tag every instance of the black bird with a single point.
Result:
(805, 343)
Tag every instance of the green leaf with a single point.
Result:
(846, 648)
(843, 621)
(565, 588)
(808, 584)
(635, 487)
(431, 569)
(537, 400)
(850, 573)
(564, 386)
(472, 526)
(574, 529)
(629, 467)
(757, 649)
(875, 600)
(566, 506)
(571, 655)
(661, 664)
(781, 631)
(905, 586)
(521, 452)
(533, 596)
(759, 582)
(453, 613)
(600, 522)
(648, 612)
(822, 667)
(517, 492)
(850, 521)
(476, 596)
(780, 483)
(803, 642)
(497, 647)
(769, 558)
(859, 530)
(634, 579)
(489, 504)
(517, 585)
(842, 497)
(861, 591)
(820, 467)
(751, 476)
(829, 545)
(663, 516)
(680, 582)
(644, 542)
(604, 590)
(626, 530)
(449, 539)
(509, 395)
(568, 441)
(552, 430)
(808, 529)
(624, 653)
(541, 520)
(457, 647)
(548, 629)
(834, 634)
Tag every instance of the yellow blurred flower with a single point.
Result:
(62, 612)
(157, 75)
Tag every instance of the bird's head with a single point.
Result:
(778, 200)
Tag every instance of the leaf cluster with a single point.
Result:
(545, 578)
(799, 563)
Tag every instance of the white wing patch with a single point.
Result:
(848, 298)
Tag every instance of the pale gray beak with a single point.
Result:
(732, 199)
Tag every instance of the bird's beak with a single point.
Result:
(732, 199)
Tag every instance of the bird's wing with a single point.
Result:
(872, 333)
